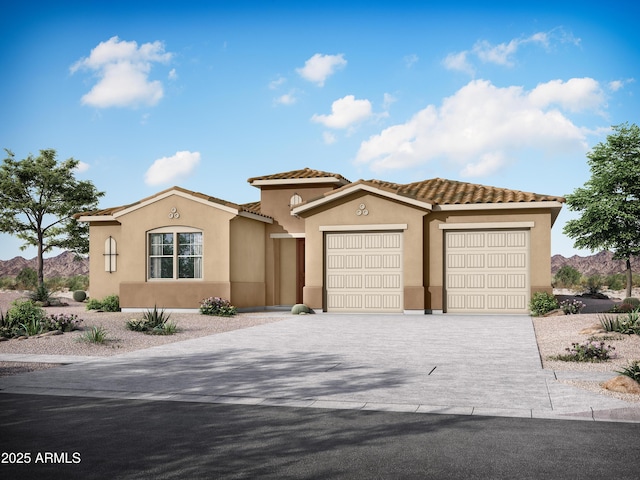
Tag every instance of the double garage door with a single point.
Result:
(487, 271)
(363, 272)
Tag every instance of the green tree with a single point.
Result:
(609, 202)
(38, 197)
(568, 276)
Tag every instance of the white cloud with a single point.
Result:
(167, 170)
(329, 138)
(274, 84)
(319, 67)
(345, 112)
(123, 71)
(458, 61)
(481, 126)
(411, 60)
(616, 85)
(173, 75)
(82, 167)
(388, 100)
(503, 53)
(575, 95)
(286, 99)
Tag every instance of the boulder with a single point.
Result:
(593, 330)
(622, 384)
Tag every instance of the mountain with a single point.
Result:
(601, 263)
(64, 265)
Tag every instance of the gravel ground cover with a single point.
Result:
(554, 334)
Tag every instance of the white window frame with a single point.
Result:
(175, 231)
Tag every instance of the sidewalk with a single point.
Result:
(454, 364)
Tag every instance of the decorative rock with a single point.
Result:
(592, 330)
(22, 337)
(558, 312)
(622, 384)
(3, 339)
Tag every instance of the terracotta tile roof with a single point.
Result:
(299, 174)
(249, 207)
(440, 191)
(253, 207)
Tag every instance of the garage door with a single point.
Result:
(364, 272)
(487, 271)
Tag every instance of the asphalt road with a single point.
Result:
(72, 437)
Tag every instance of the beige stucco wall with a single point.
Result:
(130, 281)
(540, 246)
(102, 283)
(248, 262)
(382, 211)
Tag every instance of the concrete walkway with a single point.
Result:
(467, 365)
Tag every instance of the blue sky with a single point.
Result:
(207, 94)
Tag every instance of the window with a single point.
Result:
(175, 255)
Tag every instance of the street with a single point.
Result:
(89, 438)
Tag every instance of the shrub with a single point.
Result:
(94, 304)
(78, 282)
(632, 371)
(616, 281)
(56, 284)
(7, 283)
(153, 322)
(590, 351)
(572, 307)
(8, 327)
(593, 284)
(40, 294)
(94, 335)
(299, 308)
(79, 295)
(541, 303)
(217, 306)
(26, 314)
(633, 301)
(61, 322)
(567, 276)
(111, 303)
(27, 279)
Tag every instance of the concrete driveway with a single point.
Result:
(469, 365)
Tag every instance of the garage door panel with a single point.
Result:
(492, 273)
(364, 271)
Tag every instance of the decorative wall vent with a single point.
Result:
(174, 213)
(362, 210)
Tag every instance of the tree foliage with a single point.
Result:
(38, 197)
(609, 202)
(568, 276)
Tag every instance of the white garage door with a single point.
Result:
(364, 272)
(487, 271)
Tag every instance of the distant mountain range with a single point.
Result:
(64, 265)
(601, 263)
(67, 265)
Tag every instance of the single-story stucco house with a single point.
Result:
(316, 238)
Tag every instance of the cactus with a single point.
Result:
(79, 295)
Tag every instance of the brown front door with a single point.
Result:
(299, 269)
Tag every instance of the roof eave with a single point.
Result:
(337, 194)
